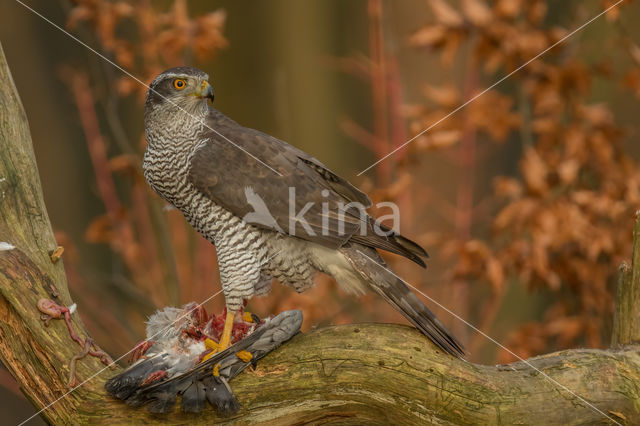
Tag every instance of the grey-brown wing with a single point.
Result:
(337, 183)
(263, 181)
(273, 185)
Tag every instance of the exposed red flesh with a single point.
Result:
(154, 377)
(139, 350)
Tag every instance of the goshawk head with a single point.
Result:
(180, 88)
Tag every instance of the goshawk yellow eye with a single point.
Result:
(179, 83)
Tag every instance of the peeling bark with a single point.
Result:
(351, 374)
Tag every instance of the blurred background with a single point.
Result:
(525, 199)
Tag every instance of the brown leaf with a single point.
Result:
(439, 139)
(634, 51)
(508, 8)
(99, 230)
(556, 34)
(534, 171)
(537, 11)
(494, 61)
(598, 114)
(477, 12)
(399, 186)
(445, 14)
(567, 327)
(548, 101)
(631, 80)
(122, 9)
(450, 47)
(530, 43)
(612, 14)
(495, 274)
(544, 125)
(445, 96)
(507, 187)
(493, 113)
(429, 36)
(568, 170)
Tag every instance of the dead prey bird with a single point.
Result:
(179, 359)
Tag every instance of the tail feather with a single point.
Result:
(421, 317)
(368, 263)
(125, 384)
(390, 241)
(193, 399)
(220, 396)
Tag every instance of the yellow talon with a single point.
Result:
(225, 340)
(246, 317)
(213, 346)
(245, 356)
(216, 370)
(210, 344)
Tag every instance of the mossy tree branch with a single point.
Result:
(350, 374)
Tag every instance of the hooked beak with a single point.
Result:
(206, 91)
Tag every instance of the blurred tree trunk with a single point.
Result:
(349, 374)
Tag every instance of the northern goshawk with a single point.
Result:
(246, 192)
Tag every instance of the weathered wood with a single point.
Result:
(390, 374)
(623, 314)
(352, 374)
(634, 292)
(626, 320)
(36, 356)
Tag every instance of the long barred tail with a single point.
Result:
(368, 263)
